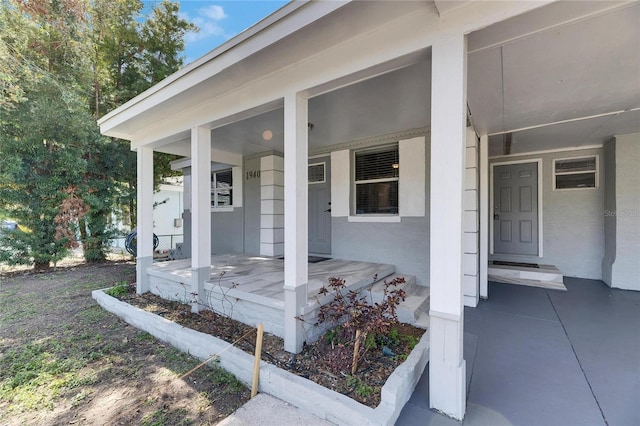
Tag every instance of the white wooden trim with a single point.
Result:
(340, 183)
(372, 142)
(540, 209)
(412, 191)
(144, 195)
(571, 120)
(296, 217)
(484, 216)
(237, 176)
(324, 166)
(373, 219)
(313, 157)
(201, 200)
(596, 172)
(145, 201)
(546, 151)
(447, 388)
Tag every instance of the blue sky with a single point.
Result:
(221, 20)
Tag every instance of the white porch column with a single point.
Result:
(144, 258)
(200, 212)
(484, 216)
(447, 387)
(295, 218)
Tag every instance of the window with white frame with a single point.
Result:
(376, 176)
(221, 189)
(575, 173)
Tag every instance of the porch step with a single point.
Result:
(415, 308)
(545, 276)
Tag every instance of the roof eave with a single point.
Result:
(280, 15)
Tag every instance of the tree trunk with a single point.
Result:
(41, 266)
(82, 227)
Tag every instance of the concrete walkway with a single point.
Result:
(534, 357)
(545, 357)
(265, 410)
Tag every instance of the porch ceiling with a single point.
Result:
(562, 76)
(556, 69)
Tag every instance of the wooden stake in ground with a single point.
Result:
(256, 361)
(356, 349)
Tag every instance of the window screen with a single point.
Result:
(376, 181)
(222, 189)
(575, 173)
(316, 173)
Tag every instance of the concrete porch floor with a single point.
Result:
(263, 277)
(545, 357)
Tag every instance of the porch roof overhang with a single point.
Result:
(308, 47)
(526, 75)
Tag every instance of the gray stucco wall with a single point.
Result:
(609, 162)
(622, 214)
(227, 228)
(404, 244)
(573, 221)
(227, 231)
(251, 205)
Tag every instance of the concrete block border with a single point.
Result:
(298, 391)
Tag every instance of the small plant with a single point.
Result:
(118, 290)
(370, 342)
(333, 336)
(411, 341)
(394, 337)
(402, 357)
(226, 303)
(362, 389)
(359, 317)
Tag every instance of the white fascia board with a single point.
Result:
(446, 6)
(170, 188)
(217, 155)
(275, 27)
(180, 164)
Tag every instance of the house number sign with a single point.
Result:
(253, 174)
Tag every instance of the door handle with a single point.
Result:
(496, 216)
(328, 211)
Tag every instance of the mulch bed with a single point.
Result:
(326, 362)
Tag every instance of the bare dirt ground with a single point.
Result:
(64, 360)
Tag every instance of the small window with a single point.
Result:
(376, 181)
(576, 173)
(222, 189)
(316, 173)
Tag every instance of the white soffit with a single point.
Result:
(566, 61)
(445, 6)
(587, 68)
(570, 135)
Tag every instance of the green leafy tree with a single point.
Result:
(43, 173)
(64, 63)
(131, 56)
(43, 127)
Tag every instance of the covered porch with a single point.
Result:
(249, 289)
